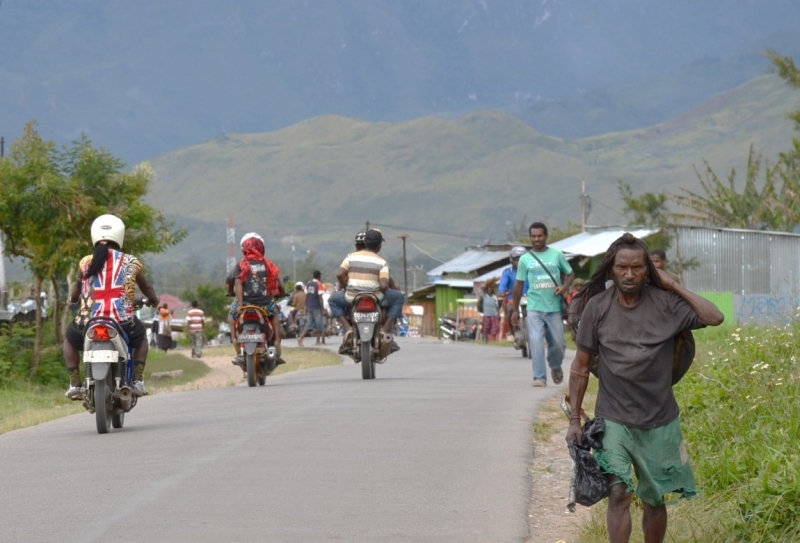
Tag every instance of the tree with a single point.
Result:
(49, 199)
(212, 299)
(764, 208)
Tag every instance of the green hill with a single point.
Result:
(323, 178)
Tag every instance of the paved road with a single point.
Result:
(435, 449)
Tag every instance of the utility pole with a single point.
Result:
(405, 264)
(230, 235)
(3, 293)
(586, 206)
(294, 267)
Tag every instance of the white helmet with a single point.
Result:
(299, 284)
(517, 252)
(109, 228)
(248, 236)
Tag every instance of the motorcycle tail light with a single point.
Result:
(365, 305)
(101, 333)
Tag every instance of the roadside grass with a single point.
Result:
(301, 358)
(24, 404)
(192, 370)
(741, 423)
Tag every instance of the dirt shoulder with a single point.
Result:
(548, 517)
(224, 374)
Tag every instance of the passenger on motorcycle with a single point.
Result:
(106, 287)
(507, 281)
(365, 271)
(255, 280)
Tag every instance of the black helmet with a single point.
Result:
(361, 237)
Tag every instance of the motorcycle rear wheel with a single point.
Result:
(102, 406)
(252, 369)
(117, 421)
(367, 365)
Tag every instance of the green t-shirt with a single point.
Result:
(541, 292)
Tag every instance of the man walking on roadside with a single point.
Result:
(314, 305)
(195, 321)
(549, 277)
(632, 328)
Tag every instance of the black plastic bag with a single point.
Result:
(588, 485)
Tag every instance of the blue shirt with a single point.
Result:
(507, 281)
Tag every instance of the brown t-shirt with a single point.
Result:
(635, 347)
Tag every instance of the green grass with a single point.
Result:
(192, 370)
(24, 404)
(741, 422)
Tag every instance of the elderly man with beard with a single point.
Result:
(631, 327)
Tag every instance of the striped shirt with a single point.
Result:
(195, 318)
(365, 270)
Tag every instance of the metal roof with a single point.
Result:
(596, 243)
(469, 261)
(494, 274)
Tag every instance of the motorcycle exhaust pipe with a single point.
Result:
(125, 398)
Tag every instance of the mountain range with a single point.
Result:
(143, 78)
(448, 183)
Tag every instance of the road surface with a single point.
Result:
(437, 448)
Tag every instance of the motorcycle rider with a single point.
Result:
(507, 280)
(255, 280)
(106, 287)
(365, 271)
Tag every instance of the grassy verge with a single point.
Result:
(296, 358)
(23, 404)
(741, 424)
(192, 370)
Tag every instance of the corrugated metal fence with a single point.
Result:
(759, 270)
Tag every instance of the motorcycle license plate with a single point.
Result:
(365, 317)
(251, 337)
(100, 356)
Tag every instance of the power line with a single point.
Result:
(595, 200)
(425, 252)
(462, 236)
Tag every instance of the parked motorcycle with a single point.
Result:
(367, 346)
(255, 336)
(109, 373)
(450, 330)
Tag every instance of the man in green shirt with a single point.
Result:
(549, 277)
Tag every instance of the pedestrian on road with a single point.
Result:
(549, 277)
(631, 329)
(506, 290)
(195, 321)
(490, 327)
(314, 305)
(164, 337)
(297, 300)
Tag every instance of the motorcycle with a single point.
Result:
(367, 346)
(450, 330)
(109, 373)
(401, 327)
(255, 336)
(521, 342)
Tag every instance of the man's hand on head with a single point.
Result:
(667, 282)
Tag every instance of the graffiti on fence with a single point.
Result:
(764, 308)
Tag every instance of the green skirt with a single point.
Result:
(658, 457)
